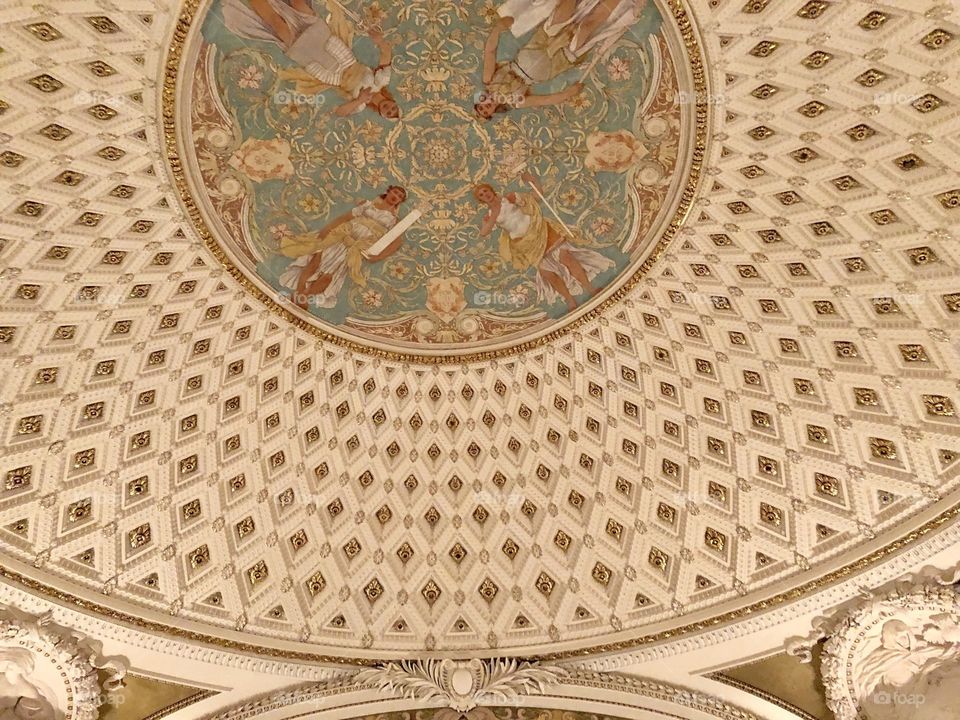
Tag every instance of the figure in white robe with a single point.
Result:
(565, 34)
(583, 26)
(323, 48)
(527, 14)
(528, 240)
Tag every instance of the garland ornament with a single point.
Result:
(49, 672)
(891, 655)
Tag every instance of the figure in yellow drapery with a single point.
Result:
(323, 49)
(528, 240)
(324, 259)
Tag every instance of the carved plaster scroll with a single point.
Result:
(892, 655)
(462, 685)
(49, 672)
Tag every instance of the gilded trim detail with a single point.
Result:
(180, 705)
(797, 593)
(687, 192)
(757, 692)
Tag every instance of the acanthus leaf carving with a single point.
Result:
(462, 685)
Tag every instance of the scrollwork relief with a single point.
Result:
(49, 672)
(891, 655)
(462, 685)
(494, 702)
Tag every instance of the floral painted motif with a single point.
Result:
(619, 69)
(340, 147)
(262, 160)
(250, 77)
(445, 297)
(613, 151)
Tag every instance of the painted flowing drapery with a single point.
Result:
(289, 136)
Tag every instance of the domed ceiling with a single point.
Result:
(737, 407)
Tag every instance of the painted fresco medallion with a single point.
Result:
(437, 179)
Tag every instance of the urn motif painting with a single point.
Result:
(435, 178)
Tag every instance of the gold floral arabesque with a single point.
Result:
(688, 192)
(831, 578)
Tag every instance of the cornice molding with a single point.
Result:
(625, 692)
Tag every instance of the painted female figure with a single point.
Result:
(324, 259)
(566, 32)
(322, 48)
(510, 84)
(582, 26)
(528, 240)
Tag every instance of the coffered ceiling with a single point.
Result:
(777, 394)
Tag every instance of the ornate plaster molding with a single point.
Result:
(49, 672)
(109, 629)
(891, 652)
(462, 685)
(624, 692)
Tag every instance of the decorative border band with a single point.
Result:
(763, 695)
(180, 705)
(563, 693)
(688, 192)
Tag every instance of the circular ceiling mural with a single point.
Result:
(436, 180)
